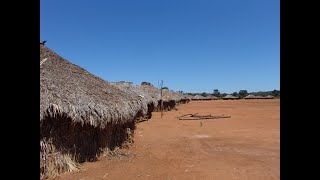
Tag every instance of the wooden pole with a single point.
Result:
(161, 98)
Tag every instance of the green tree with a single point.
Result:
(276, 93)
(243, 93)
(204, 94)
(235, 94)
(216, 92)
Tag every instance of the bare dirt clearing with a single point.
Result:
(245, 146)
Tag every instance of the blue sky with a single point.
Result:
(192, 45)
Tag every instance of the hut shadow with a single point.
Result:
(167, 105)
(84, 142)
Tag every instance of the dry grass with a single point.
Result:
(53, 162)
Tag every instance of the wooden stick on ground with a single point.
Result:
(186, 115)
(199, 117)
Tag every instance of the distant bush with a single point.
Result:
(146, 83)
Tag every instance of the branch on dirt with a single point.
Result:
(198, 117)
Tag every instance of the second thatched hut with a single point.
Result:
(148, 101)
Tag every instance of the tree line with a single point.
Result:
(240, 94)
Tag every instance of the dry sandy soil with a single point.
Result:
(245, 146)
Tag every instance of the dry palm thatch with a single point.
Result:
(149, 103)
(250, 96)
(269, 97)
(211, 97)
(167, 101)
(81, 115)
(199, 97)
(265, 97)
(184, 98)
(230, 97)
(187, 96)
(171, 95)
(259, 97)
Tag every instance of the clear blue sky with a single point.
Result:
(193, 45)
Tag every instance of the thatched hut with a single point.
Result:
(211, 97)
(185, 98)
(230, 97)
(177, 97)
(259, 97)
(250, 96)
(269, 97)
(199, 97)
(265, 97)
(168, 100)
(148, 101)
(81, 115)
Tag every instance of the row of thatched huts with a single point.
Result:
(229, 97)
(199, 97)
(83, 116)
(251, 96)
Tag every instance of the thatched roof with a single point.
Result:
(198, 97)
(182, 96)
(250, 96)
(171, 95)
(259, 97)
(154, 92)
(70, 91)
(211, 97)
(129, 88)
(151, 90)
(186, 96)
(269, 97)
(229, 96)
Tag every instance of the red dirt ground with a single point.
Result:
(245, 146)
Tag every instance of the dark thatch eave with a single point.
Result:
(70, 91)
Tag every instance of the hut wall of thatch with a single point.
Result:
(183, 99)
(168, 105)
(65, 144)
(168, 102)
